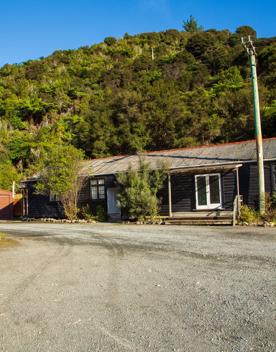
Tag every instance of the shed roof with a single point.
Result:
(195, 157)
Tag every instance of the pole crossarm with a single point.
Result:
(249, 45)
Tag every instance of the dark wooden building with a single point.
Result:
(201, 181)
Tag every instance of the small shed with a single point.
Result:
(6, 205)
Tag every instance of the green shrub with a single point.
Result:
(249, 215)
(273, 200)
(138, 194)
(86, 213)
(270, 208)
(101, 213)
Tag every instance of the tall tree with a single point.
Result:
(191, 25)
(60, 177)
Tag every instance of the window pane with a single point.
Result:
(214, 189)
(93, 182)
(101, 192)
(101, 181)
(201, 190)
(53, 197)
(94, 192)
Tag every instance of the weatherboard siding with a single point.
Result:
(229, 189)
(163, 197)
(249, 182)
(183, 193)
(84, 194)
(39, 205)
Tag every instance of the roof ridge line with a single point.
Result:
(184, 148)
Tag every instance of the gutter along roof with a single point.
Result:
(185, 158)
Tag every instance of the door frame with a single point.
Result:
(112, 190)
(209, 205)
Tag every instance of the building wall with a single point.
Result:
(6, 205)
(183, 192)
(164, 200)
(182, 187)
(85, 193)
(249, 182)
(229, 189)
(39, 206)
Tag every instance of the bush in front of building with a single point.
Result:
(85, 213)
(248, 215)
(59, 175)
(138, 192)
(270, 208)
(101, 214)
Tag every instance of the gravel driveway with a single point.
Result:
(107, 287)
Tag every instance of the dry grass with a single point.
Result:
(5, 240)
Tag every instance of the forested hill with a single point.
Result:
(149, 91)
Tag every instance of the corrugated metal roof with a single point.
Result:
(220, 154)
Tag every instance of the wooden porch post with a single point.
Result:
(238, 181)
(170, 195)
(238, 191)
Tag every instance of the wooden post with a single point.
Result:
(238, 190)
(13, 189)
(238, 181)
(170, 195)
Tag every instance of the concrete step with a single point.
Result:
(200, 218)
(210, 222)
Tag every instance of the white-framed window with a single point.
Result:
(53, 197)
(97, 189)
(208, 191)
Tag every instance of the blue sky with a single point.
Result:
(33, 28)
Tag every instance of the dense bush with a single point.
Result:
(86, 213)
(270, 211)
(249, 215)
(101, 214)
(114, 97)
(138, 193)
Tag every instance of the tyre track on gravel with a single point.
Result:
(113, 293)
(58, 254)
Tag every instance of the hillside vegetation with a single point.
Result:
(145, 92)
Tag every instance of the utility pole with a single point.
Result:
(250, 49)
(152, 54)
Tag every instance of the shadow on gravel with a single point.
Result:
(262, 234)
(153, 249)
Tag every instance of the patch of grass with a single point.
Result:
(5, 240)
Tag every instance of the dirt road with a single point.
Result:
(110, 287)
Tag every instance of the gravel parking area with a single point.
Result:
(111, 287)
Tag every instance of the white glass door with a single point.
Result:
(208, 191)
